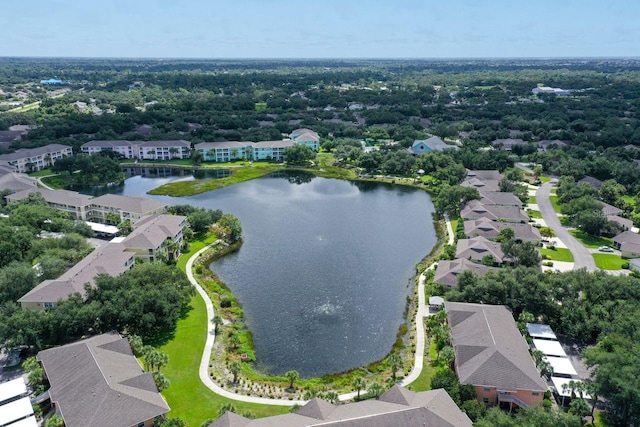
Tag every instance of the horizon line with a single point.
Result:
(440, 58)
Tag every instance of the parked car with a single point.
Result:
(605, 249)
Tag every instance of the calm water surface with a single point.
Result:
(325, 268)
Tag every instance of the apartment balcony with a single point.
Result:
(510, 398)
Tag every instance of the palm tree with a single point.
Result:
(217, 322)
(333, 397)
(359, 384)
(394, 362)
(227, 407)
(375, 390)
(292, 376)
(211, 154)
(173, 151)
(152, 153)
(234, 153)
(449, 355)
(235, 341)
(235, 368)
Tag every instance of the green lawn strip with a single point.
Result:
(429, 367)
(554, 203)
(43, 172)
(590, 241)
(544, 178)
(558, 254)
(532, 200)
(609, 261)
(188, 398)
(534, 214)
(454, 225)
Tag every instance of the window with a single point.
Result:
(141, 424)
(49, 304)
(485, 400)
(487, 389)
(535, 393)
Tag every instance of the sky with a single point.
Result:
(320, 28)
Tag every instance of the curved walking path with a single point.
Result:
(211, 337)
(581, 256)
(421, 313)
(39, 180)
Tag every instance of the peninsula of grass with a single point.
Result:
(557, 254)
(609, 261)
(190, 188)
(590, 241)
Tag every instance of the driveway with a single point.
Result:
(581, 256)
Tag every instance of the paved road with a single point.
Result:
(581, 256)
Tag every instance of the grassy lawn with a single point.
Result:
(554, 203)
(454, 225)
(188, 398)
(43, 172)
(590, 241)
(532, 200)
(534, 214)
(57, 182)
(609, 261)
(544, 178)
(189, 188)
(558, 254)
(429, 367)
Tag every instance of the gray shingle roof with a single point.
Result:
(478, 247)
(448, 271)
(481, 184)
(396, 407)
(487, 228)
(222, 144)
(490, 351)
(150, 232)
(34, 152)
(137, 205)
(107, 259)
(170, 143)
(16, 181)
(627, 237)
(484, 174)
(275, 144)
(109, 143)
(476, 209)
(98, 382)
(500, 198)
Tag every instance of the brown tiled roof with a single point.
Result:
(490, 351)
(98, 382)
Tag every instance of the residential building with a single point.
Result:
(164, 150)
(594, 182)
(500, 198)
(476, 248)
(482, 185)
(156, 235)
(223, 151)
(550, 91)
(125, 207)
(490, 229)
(493, 356)
(447, 272)
(98, 382)
(492, 175)
(626, 237)
(306, 137)
(108, 208)
(128, 149)
(610, 210)
(13, 181)
(432, 144)
(397, 407)
(630, 250)
(625, 223)
(476, 209)
(110, 258)
(270, 150)
(509, 144)
(35, 159)
(153, 236)
(547, 144)
(7, 137)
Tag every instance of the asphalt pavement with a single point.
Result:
(581, 256)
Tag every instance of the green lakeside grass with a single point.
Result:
(558, 254)
(609, 261)
(187, 396)
(590, 241)
(190, 188)
(534, 214)
(57, 182)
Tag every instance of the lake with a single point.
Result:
(325, 267)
